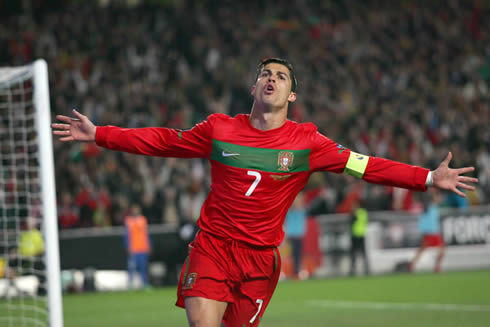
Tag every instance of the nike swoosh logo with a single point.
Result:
(224, 154)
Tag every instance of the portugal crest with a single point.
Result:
(190, 281)
(285, 160)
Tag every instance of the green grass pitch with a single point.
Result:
(446, 299)
(449, 299)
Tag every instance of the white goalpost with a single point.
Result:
(30, 284)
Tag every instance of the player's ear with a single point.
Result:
(253, 90)
(292, 97)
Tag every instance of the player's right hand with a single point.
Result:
(74, 129)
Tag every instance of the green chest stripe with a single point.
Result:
(270, 160)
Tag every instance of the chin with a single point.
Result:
(270, 104)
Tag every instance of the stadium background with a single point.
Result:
(404, 80)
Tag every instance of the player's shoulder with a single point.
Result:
(218, 118)
(306, 128)
(308, 133)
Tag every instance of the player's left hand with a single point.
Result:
(449, 179)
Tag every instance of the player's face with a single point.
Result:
(273, 86)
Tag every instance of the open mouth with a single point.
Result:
(269, 89)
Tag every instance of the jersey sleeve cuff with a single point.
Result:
(429, 181)
(101, 136)
(421, 178)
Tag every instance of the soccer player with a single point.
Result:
(429, 226)
(259, 163)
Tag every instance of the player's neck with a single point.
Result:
(264, 119)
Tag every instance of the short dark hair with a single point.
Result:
(280, 61)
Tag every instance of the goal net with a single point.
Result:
(30, 291)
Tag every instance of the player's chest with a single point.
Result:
(274, 158)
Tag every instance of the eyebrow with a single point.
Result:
(278, 72)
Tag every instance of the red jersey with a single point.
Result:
(255, 174)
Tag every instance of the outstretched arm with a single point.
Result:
(155, 141)
(450, 179)
(329, 156)
(74, 129)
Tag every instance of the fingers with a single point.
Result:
(67, 139)
(77, 114)
(465, 170)
(448, 159)
(458, 192)
(62, 132)
(465, 186)
(60, 126)
(467, 179)
(63, 129)
(66, 119)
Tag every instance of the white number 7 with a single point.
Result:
(252, 187)
(260, 302)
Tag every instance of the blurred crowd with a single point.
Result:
(404, 80)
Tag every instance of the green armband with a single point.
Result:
(356, 165)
